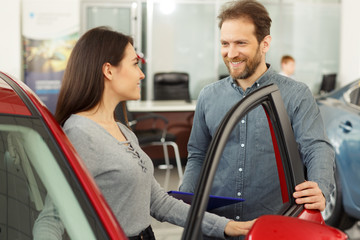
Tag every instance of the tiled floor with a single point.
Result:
(354, 232)
(169, 179)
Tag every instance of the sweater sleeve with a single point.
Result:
(48, 225)
(167, 208)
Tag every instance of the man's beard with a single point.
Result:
(250, 68)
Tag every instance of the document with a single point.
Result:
(214, 201)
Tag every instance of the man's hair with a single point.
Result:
(286, 59)
(250, 9)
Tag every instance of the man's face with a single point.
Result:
(289, 67)
(240, 48)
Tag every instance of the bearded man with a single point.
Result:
(247, 168)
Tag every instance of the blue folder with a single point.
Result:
(214, 201)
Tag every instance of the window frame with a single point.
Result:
(289, 164)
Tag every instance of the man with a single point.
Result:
(247, 167)
(287, 66)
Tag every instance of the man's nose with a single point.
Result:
(232, 52)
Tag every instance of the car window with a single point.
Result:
(352, 96)
(355, 96)
(257, 169)
(37, 197)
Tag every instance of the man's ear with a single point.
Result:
(107, 70)
(266, 43)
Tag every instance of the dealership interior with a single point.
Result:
(178, 36)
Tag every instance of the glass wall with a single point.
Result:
(182, 35)
(187, 39)
(310, 32)
(102, 15)
(184, 40)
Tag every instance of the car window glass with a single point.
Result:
(355, 96)
(35, 197)
(256, 170)
(264, 196)
(352, 95)
(284, 151)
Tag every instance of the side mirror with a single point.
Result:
(275, 227)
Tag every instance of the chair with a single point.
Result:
(328, 83)
(171, 86)
(156, 135)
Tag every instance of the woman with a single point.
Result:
(102, 72)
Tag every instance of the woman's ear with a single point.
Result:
(107, 71)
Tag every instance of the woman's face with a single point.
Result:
(126, 76)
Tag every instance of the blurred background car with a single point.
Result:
(340, 110)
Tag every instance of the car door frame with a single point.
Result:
(91, 194)
(289, 164)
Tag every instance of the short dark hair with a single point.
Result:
(251, 10)
(83, 82)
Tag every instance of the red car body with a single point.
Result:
(12, 104)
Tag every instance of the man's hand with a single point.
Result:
(234, 228)
(309, 194)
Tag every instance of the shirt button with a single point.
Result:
(242, 145)
(240, 169)
(237, 217)
(243, 121)
(239, 194)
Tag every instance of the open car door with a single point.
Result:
(290, 172)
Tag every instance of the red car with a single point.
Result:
(37, 161)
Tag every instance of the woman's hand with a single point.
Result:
(234, 228)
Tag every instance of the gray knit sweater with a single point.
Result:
(124, 174)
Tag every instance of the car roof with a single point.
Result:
(10, 102)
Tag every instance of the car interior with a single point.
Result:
(25, 181)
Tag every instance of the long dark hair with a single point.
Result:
(83, 82)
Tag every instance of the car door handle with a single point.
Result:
(346, 126)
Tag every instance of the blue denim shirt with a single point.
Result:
(247, 168)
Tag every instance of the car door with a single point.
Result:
(289, 165)
(42, 179)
